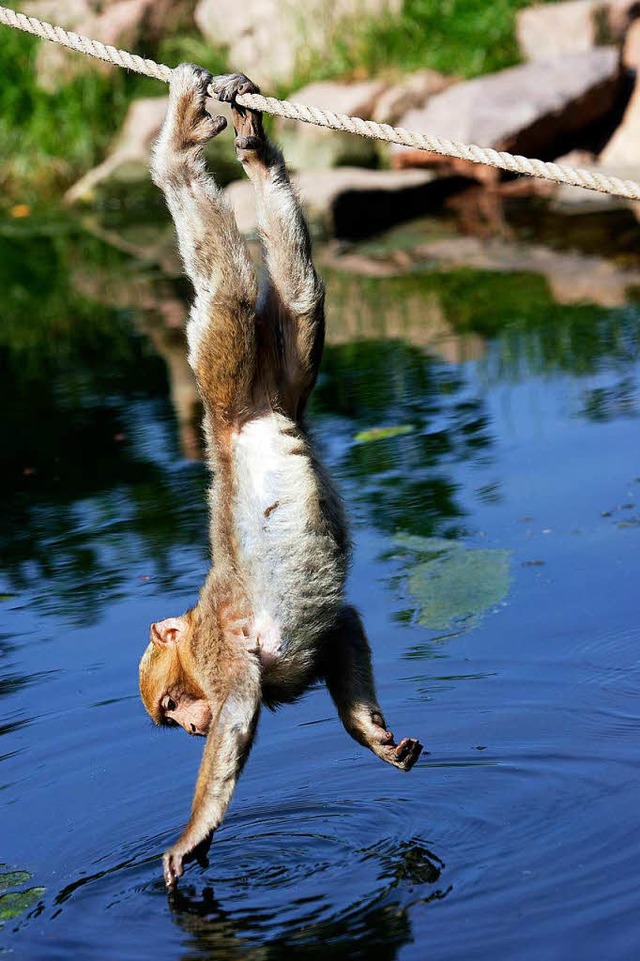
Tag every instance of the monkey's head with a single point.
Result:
(168, 687)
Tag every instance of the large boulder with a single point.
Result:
(536, 109)
(348, 201)
(410, 93)
(266, 37)
(623, 150)
(574, 26)
(631, 47)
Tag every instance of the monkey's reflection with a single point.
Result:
(377, 932)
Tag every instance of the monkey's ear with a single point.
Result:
(169, 632)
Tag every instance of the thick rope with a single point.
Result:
(558, 173)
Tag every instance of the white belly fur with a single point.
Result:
(274, 493)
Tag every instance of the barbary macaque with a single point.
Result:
(271, 617)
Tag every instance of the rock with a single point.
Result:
(631, 48)
(536, 109)
(574, 26)
(623, 150)
(315, 148)
(120, 24)
(129, 158)
(270, 35)
(411, 93)
(349, 202)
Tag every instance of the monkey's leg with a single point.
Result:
(221, 328)
(226, 750)
(349, 678)
(297, 293)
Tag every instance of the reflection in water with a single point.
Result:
(404, 482)
(377, 930)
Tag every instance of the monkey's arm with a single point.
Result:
(349, 678)
(226, 749)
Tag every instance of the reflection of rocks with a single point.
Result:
(453, 585)
(160, 316)
(349, 201)
(353, 314)
(572, 277)
(531, 109)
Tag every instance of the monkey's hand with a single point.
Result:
(174, 860)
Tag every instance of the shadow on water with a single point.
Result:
(483, 435)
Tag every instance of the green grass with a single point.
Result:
(463, 37)
(48, 140)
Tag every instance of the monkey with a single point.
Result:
(271, 618)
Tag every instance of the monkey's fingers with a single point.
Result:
(172, 868)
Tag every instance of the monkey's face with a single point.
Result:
(168, 690)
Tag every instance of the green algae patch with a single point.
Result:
(454, 585)
(15, 903)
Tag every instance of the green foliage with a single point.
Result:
(464, 37)
(48, 139)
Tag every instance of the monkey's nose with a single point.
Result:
(193, 729)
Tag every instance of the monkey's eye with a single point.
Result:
(167, 703)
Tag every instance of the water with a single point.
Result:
(496, 519)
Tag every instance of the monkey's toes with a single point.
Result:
(406, 753)
(190, 78)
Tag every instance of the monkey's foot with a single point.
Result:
(251, 142)
(188, 122)
(403, 755)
